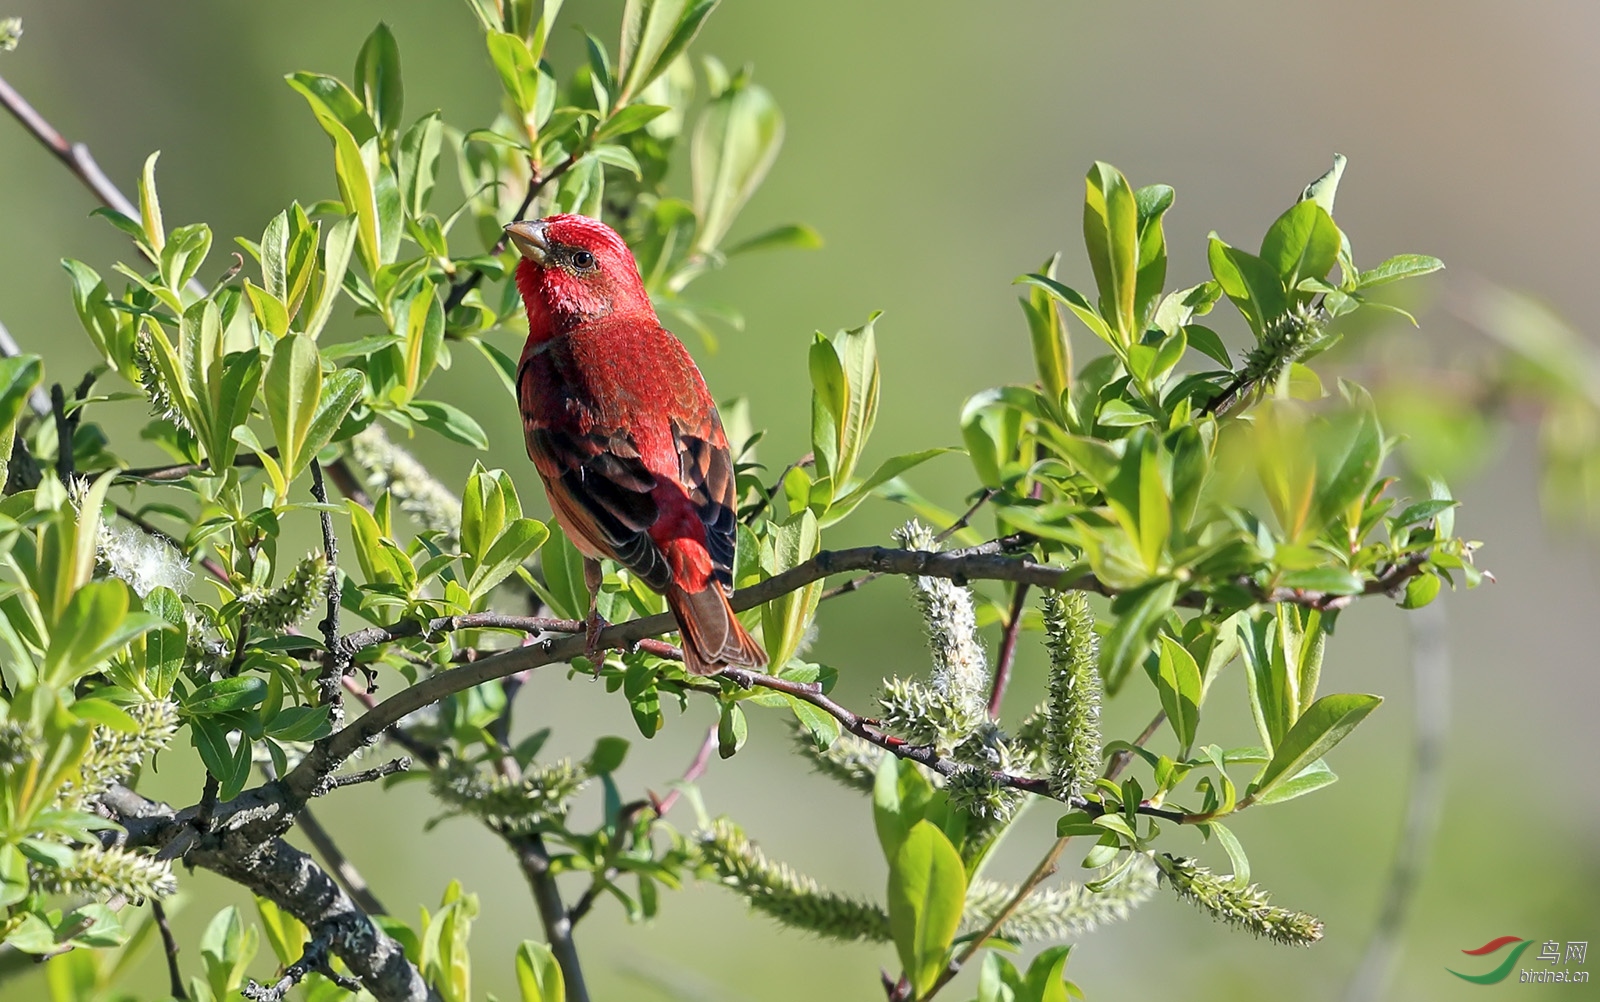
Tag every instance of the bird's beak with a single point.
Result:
(530, 241)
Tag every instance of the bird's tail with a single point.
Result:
(713, 638)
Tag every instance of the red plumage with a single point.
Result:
(624, 433)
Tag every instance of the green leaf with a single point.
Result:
(1139, 613)
(1323, 725)
(654, 33)
(450, 421)
(539, 977)
(356, 166)
(1111, 234)
(1177, 679)
(1252, 284)
(378, 76)
(330, 99)
(785, 620)
(1153, 201)
(1313, 777)
(94, 625)
(733, 146)
(1047, 329)
(887, 471)
(293, 392)
(900, 795)
(732, 730)
(155, 233)
(630, 119)
(1401, 266)
(927, 889)
(1236, 856)
(791, 235)
(224, 695)
(418, 162)
(520, 540)
(644, 701)
(19, 376)
(336, 254)
(1302, 243)
(1324, 188)
(1046, 978)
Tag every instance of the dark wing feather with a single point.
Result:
(705, 469)
(603, 476)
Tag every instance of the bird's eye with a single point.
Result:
(582, 260)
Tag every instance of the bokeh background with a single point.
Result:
(940, 150)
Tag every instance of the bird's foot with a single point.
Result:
(592, 648)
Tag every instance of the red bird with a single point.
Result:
(625, 435)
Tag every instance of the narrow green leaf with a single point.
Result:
(927, 889)
(1323, 725)
(1111, 233)
(539, 977)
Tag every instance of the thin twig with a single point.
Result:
(755, 510)
(401, 764)
(170, 946)
(334, 662)
(339, 864)
(984, 497)
(1008, 650)
(1430, 680)
(534, 859)
(536, 184)
(76, 157)
(697, 768)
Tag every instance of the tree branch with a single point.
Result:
(170, 946)
(1008, 650)
(534, 859)
(75, 156)
(290, 879)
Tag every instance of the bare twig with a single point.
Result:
(1008, 650)
(75, 156)
(536, 184)
(170, 946)
(313, 961)
(349, 484)
(401, 764)
(1430, 680)
(339, 864)
(534, 859)
(697, 768)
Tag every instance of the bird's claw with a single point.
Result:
(592, 648)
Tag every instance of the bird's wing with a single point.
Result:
(601, 483)
(705, 470)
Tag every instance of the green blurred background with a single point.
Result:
(940, 149)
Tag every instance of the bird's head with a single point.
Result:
(574, 269)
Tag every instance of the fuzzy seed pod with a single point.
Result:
(163, 402)
(106, 873)
(1072, 725)
(960, 667)
(388, 467)
(849, 760)
(794, 899)
(1285, 340)
(143, 560)
(924, 716)
(282, 607)
(1246, 907)
(113, 755)
(1057, 913)
(541, 798)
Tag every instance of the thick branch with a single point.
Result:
(283, 874)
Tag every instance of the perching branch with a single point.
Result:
(334, 664)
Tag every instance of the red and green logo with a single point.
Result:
(1490, 948)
